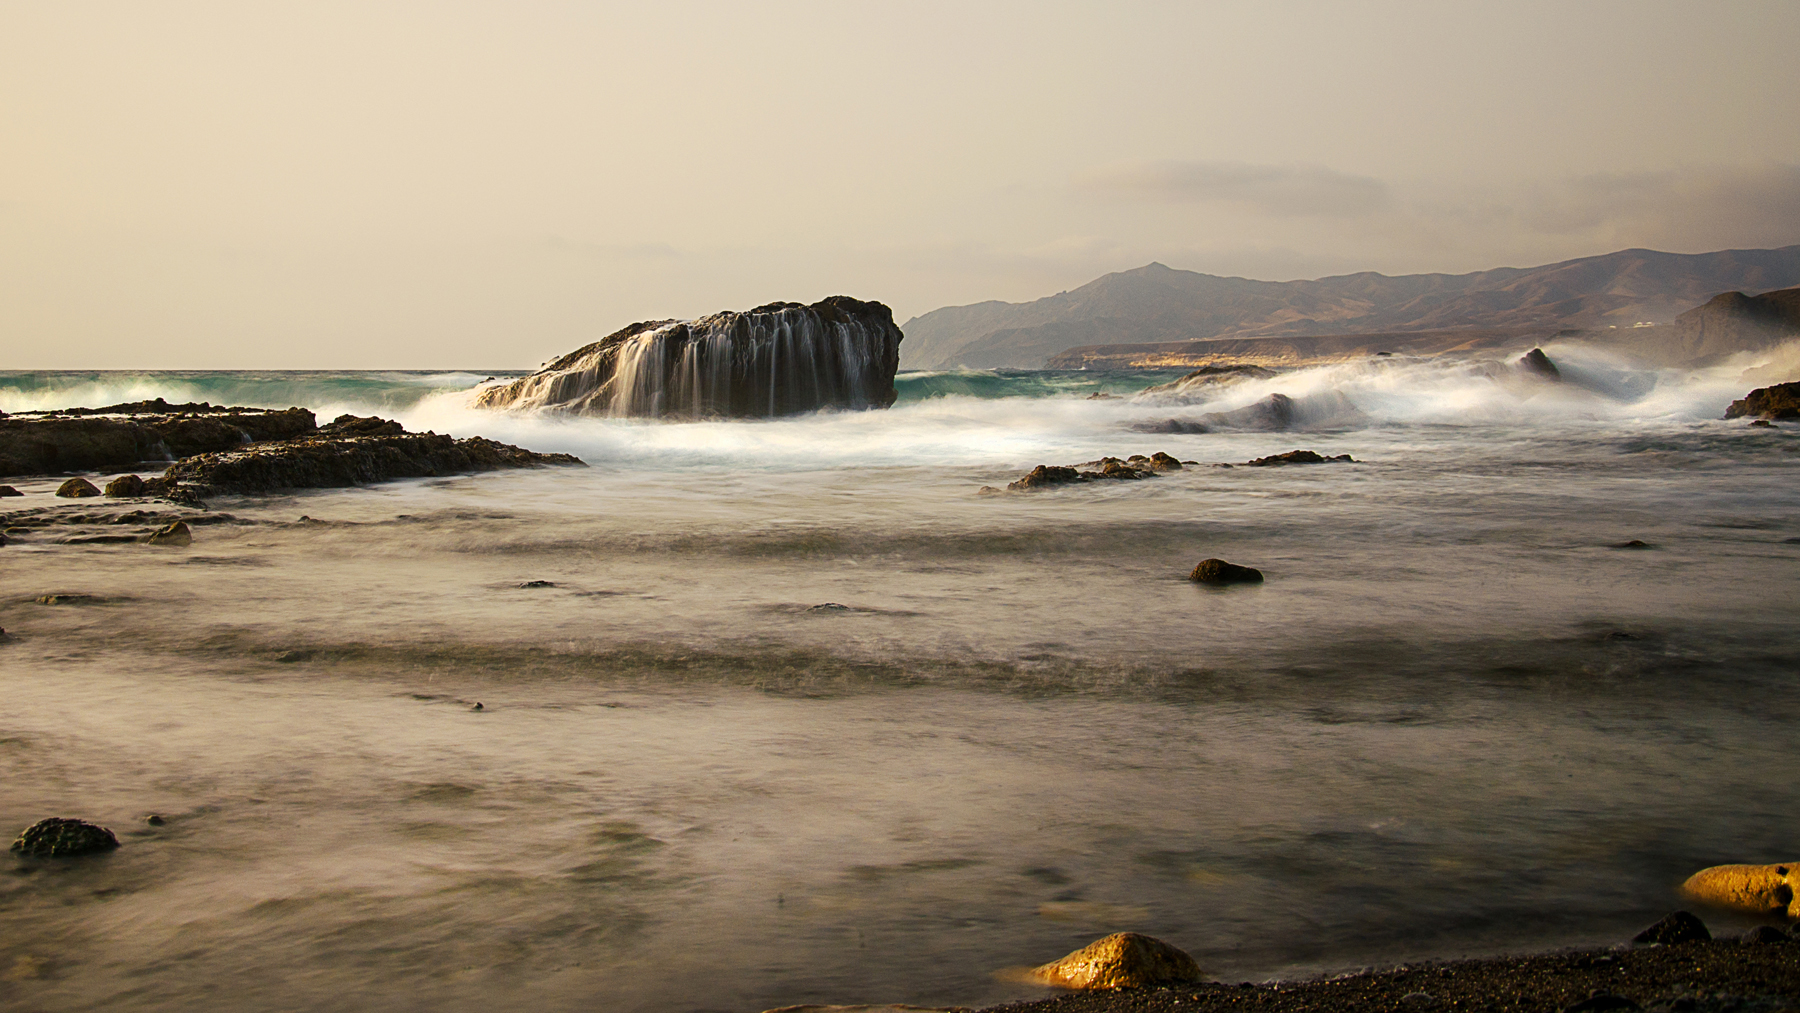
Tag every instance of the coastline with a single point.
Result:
(1700, 976)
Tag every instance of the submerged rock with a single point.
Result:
(1278, 412)
(1045, 475)
(1121, 960)
(1170, 426)
(1679, 927)
(778, 359)
(1297, 457)
(175, 533)
(1218, 571)
(58, 838)
(76, 488)
(1781, 401)
(1754, 889)
(7, 490)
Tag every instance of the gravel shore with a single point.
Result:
(1720, 976)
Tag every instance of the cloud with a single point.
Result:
(1288, 191)
(1693, 206)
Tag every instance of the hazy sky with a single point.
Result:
(318, 184)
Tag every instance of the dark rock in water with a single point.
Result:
(1767, 934)
(1782, 401)
(778, 359)
(1621, 635)
(59, 838)
(64, 599)
(1679, 927)
(1217, 571)
(122, 436)
(829, 606)
(1298, 457)
(538, 583)
(1179, 426)
(174, 534)
(76, 488)
(1158, 461)
(1044, 476)
(361, 425)
(154, 820)
(1103, 396)
(7, 490)
(125, 485)
(1634, 544)
(1763, 424)
(344, 458)
(1536, 363)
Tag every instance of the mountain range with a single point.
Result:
(1157, 305)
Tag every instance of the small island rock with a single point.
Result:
(1781, 401)
(1121, 960)
(7, 490)
(59, 838)
(1218, 571)
(77, 487)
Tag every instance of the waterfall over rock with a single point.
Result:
(779, 359)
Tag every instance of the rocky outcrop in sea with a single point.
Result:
(778, 359)
(125, 435)
(1782, 401)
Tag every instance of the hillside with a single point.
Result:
(1157, 304)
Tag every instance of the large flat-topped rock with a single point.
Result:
(778, 359)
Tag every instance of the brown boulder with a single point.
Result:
(7, 490)
(77, 487)
(1217, 571)
(175, 533)
(1679, 927)
(59, 838)
(126, 485)
(1121, 960)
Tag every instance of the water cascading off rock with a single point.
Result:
(778, 359)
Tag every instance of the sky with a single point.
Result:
(451, 184)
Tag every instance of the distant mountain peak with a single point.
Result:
(1156, 303)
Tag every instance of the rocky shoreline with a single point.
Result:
(214, 450)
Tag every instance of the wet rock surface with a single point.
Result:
(1726, 976)
(778, 359)
(125, 435)
(77, 488)
(60, 838)
(1781, 401)
(348, 451)
(1106, 469)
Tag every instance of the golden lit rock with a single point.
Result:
(1121, 960)
(1756, 889)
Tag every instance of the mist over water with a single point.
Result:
(1456, 719)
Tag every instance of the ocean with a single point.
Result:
(1457, 718)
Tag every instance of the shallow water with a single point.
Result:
(1454, 720)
